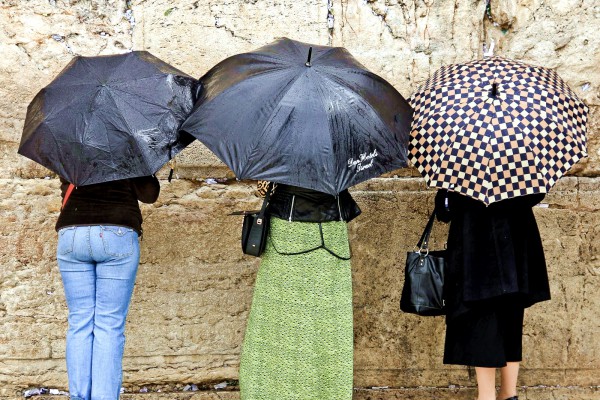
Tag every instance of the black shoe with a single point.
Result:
(513, 398)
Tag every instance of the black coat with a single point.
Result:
(494, 252)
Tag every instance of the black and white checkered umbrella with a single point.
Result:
(495, 128)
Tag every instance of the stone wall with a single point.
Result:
(194, 285)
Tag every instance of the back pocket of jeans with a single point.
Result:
(118, 241)
(66, 238)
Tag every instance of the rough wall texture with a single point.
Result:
(194, 286)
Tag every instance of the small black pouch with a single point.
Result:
(423, 291)
(255, 228)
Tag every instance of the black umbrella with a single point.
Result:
(303, 115)
(109, 117)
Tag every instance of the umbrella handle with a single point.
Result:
(173, 165)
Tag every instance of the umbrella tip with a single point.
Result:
(494, 91)
(307, 63)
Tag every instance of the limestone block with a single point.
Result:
(503, 12)
(564, 193)
(568, 45)
(588, 193)
(195, 35)
(409, 40)
(590, 165)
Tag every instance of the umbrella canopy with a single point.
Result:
(303, 115)
(109, 117)
(495, 128)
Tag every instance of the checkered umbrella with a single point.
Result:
(495, 128)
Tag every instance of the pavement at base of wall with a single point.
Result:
(418, 393)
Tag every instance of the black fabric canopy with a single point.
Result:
(304, 115)
(109, 117)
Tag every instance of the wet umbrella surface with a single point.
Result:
(303, 115)
(109, 117)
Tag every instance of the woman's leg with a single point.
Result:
(117, 251)
(486, 383)
(508, 385)
(512, 322)
(77, 270)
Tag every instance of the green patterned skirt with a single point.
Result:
(299, 339)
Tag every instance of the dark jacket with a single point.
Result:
(493, 251)
(298, 204)
(108, 203)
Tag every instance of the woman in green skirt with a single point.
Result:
(299, 337)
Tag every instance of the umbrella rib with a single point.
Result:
(137, 79)
(420, 116)
(258, 141)
(358, 95)
(540, 81)
(265, 58)
(325, 53)
(567, 135)
(142, 100)
(59, 109)
(551, 115)
(212, 95)
(59, 149)
(333, 78)
(319, 89)
(129, 128)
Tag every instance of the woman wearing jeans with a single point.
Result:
(98, 255)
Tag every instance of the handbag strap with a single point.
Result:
(263, 209)
(67, 194)
(424, 241)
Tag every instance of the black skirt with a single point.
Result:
(485, 336)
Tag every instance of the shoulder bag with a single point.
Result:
(423, 291)
(255, 228)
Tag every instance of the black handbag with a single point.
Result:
(423, 291)
(255, 228)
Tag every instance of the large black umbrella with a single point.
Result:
(303, 115)
(109, 117)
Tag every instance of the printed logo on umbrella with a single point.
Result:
(365, 161)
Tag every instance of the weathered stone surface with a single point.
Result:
(194, 286)
(522, 30)
(194, 289)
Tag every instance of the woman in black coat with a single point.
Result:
(495, 269)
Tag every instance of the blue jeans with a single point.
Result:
(98, 265)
